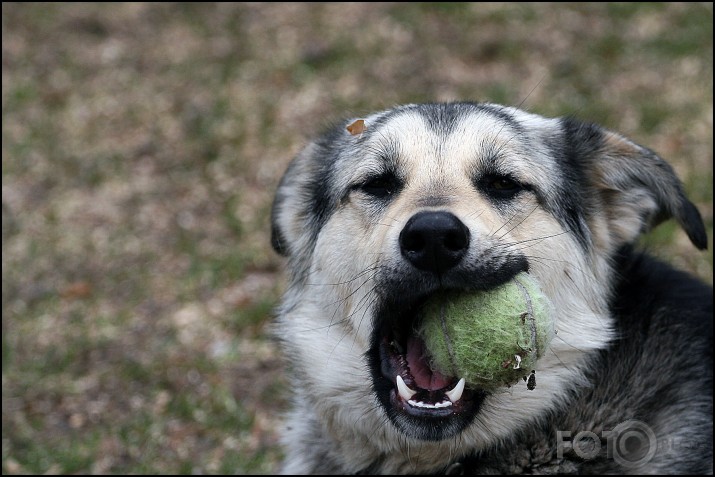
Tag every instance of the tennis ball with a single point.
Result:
(491, 338)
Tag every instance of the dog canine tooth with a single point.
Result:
(455, 394)
(405, 392)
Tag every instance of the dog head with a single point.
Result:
(461, 196)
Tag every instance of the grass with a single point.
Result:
(141, 145)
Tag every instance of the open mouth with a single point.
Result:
(420, 390)
(420, 400)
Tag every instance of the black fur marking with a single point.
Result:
(579, 142)
(443, 117)
(693, 224)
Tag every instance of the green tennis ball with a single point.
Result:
(491, 339)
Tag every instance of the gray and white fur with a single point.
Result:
(465, 196)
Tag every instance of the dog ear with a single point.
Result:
(303, 200)
(638, 189)
(278, 238)
(288, 209)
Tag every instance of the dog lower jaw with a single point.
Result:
(429, 422)
(421, 403)
(406, 393)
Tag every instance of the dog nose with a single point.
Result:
(434, 241)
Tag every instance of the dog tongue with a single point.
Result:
(418, 362)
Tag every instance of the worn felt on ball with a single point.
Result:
(491, 338)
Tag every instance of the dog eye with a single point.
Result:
(381, 186)
(503, 184)
(501, 187)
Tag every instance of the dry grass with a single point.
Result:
(141, 144)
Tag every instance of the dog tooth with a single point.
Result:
(404, 391)
(456, 393)
(425, 405)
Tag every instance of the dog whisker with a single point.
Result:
(346, 282)
(518, 224)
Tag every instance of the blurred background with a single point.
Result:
(142, 144)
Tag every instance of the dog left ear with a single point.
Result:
(639, 189)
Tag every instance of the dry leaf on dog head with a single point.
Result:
(357, 127)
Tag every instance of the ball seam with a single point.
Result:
(530, 313)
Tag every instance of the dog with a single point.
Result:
(381, 212)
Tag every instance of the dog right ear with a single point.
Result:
(278, 240)
(303, 201)
(288, 211)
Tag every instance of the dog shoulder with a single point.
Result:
(657, 307)
(659, 368)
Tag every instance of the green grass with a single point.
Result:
(142, 143)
